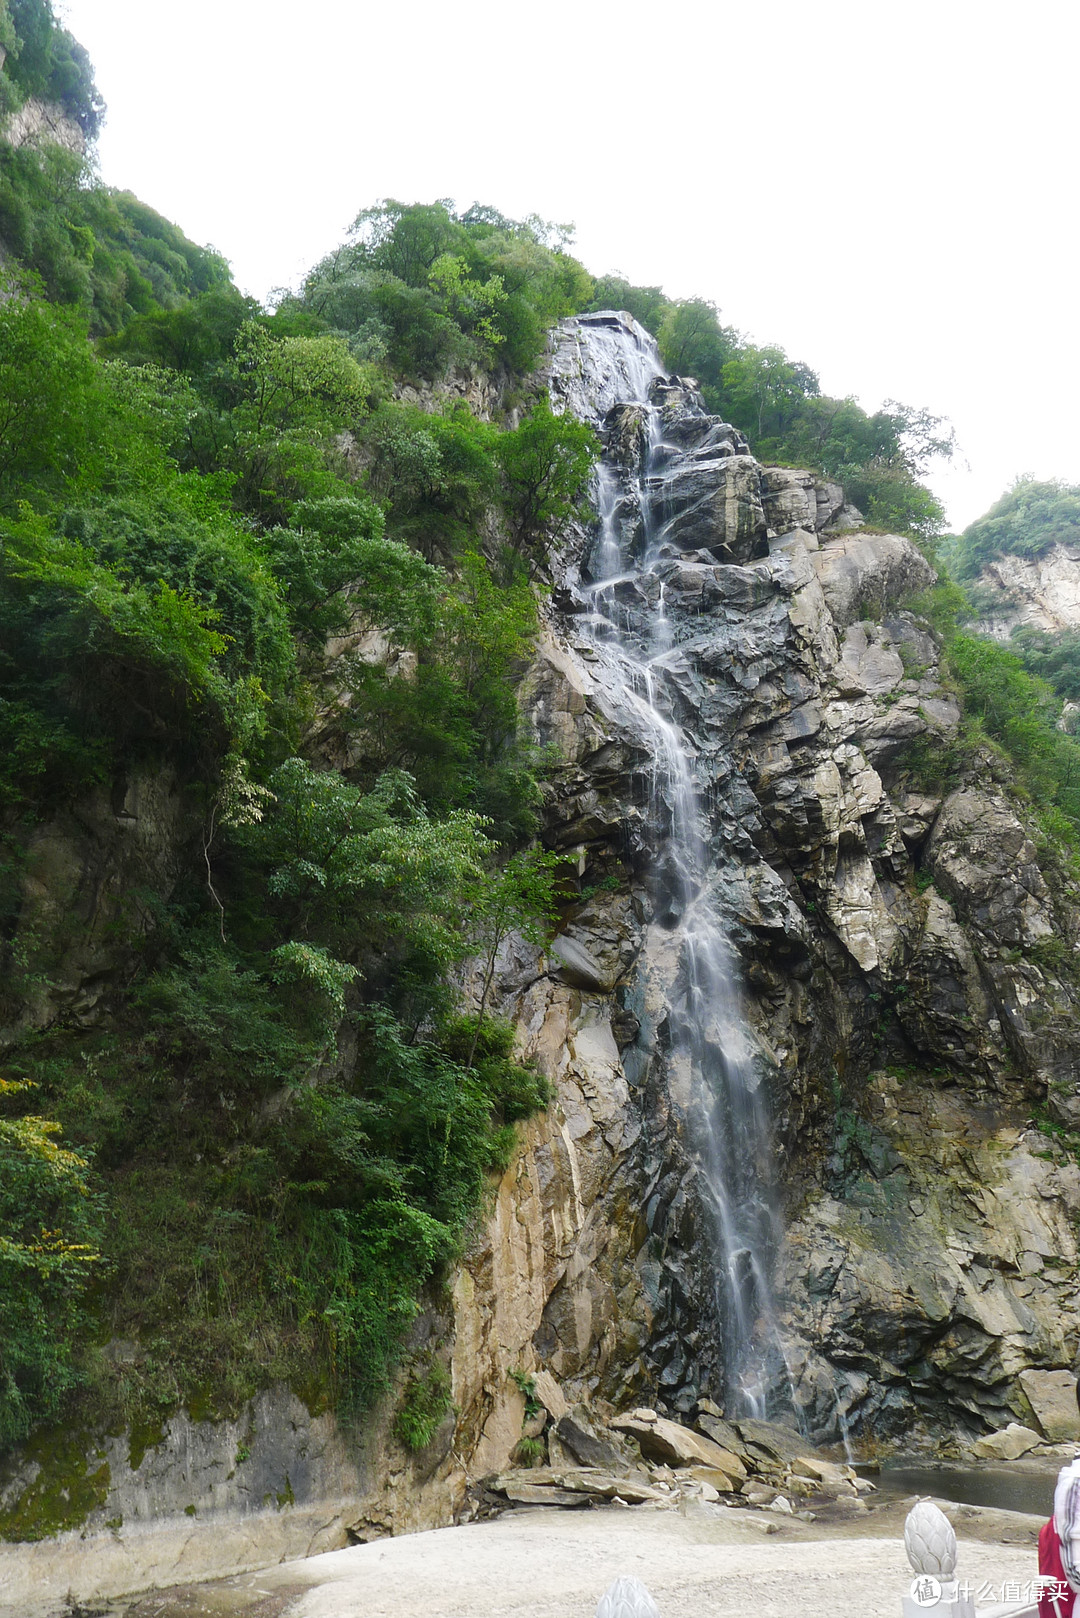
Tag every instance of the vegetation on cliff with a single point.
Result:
(44, 62)
(1019, 689)
(1029, 519)
(1010, 707)
(278, 1127)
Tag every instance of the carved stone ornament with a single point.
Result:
(627, 1598)
(930, 1541)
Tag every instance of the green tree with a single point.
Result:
(48, 1253)
(693, 343)
(546, 464)
(343, 866)
(648, 305)
(49, 395)
(764, 391)
(47, 62)
(338, 570)
(291, 396)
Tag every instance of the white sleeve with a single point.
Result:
(1067, 1521)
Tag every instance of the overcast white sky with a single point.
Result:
(888, 190)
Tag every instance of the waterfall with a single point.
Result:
(661, 444)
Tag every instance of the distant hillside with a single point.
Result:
(1028, 521)
(102, 251)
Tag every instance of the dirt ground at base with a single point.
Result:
(710, 1562)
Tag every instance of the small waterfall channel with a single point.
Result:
(658, 436)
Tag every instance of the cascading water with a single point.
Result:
(606, 368)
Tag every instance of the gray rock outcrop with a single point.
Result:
(1038, 592)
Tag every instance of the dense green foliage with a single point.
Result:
(290, 1124)
(1018, 690)
(426, 289)
(1028, 520)
(48, 1227)
(1053, 658)
(1011, 708)
(101, 251)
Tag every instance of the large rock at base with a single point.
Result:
(577, 1433)
(547, 1485)
(666, 1441)
(720, 1431)
(550, 1394)
(1007, 1445)
(539, 1494)
(1052, 1397)
(781, 1443)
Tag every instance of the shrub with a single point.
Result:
(424, 1403)
(49, 1230)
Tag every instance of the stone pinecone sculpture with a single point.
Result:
(930, 1541)
(627, 1598)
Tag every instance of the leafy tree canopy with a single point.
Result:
(427, 289)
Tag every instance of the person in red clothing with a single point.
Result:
(1059, 1543)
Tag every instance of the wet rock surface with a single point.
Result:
(906, 955)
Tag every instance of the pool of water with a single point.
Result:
(1008, 1485)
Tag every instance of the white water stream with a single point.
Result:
(709, 1050)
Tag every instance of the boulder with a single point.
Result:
(829, 1477)
(863, 575)
(576, 966)
(1008, 1444)
(780, 1443)
(789, 498)
(663, 1440)
(716, 506)
(577, 1434)
(541, 1494)
(1052, 1397)
(721, 1432)
(545, 1485)
(717, 1479)
(830, 505)
(550, 1394)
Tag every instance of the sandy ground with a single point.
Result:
(547, 1563)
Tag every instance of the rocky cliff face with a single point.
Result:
(1038, 592)
(40, 123)
(907, 960)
